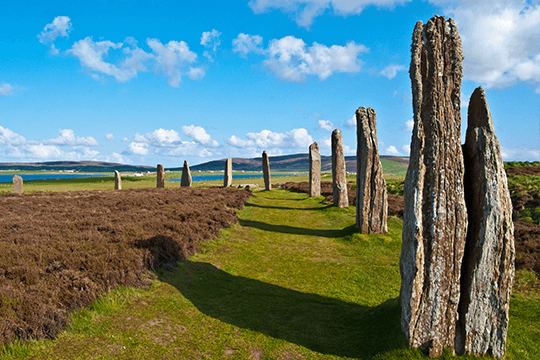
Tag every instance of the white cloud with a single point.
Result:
(6, 89)
(61, 26)
(171, 58)
(391, 70)
(391, 150)
(464, 100)
(305, 11)
(406, 149)
(520, 154)
(91, 56)
(211, 39)
(67, 138)
(326, 125)
(272, 141)
(158, 138)
(196, 73)
(138, 148)
(109, 137)
(125, 139)
(291, 60)
(351, 123)
(198, 134)
(409, 125)
(245, 43)
(501, 40)
(8, 137)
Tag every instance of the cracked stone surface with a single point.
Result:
(371, 196)
(117, 180)
(186, 175)
(488, 264)
(227, 175)
(266, 171)
(17, 185)
(160, 176)
(339, 172)
(314, 170)
(435, 215)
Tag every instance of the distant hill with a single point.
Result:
(79, 166)
(287, 163)
(299, 163)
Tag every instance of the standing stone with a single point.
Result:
(160, 176)
(186, 175)
(488, 270)
(117, 180)
(227, 175)
(371, 198)
(435, 216)
(339, 172)
(314, 170)
(266, 171)
(17, 185)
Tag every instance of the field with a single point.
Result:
(293, 279)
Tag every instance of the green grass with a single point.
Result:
(292, 280)
(394, 167)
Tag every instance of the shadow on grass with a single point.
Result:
(326, 206)
(285, 229)
(322, 324)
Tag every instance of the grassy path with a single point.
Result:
(292, 280)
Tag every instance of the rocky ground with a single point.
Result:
(58, 251)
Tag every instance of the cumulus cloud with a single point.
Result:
(67, 138)
(158, 138)
(138, 148)
(6, 89)
(326, 125)
(198, 134)
(170, 58)
(501, 40)
(408, 126)
(391, 70)
(272, 141)
(61, 26)
(351, 123)
(66, 147)
(304, 11)
(406, 149)
(520, 154)
(291, 59)
(211, 39)
(391, 150)
(245, 43)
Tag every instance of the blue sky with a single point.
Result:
(147, 82)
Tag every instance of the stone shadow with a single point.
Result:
(285, 229)
(322, 324)
(288, 208)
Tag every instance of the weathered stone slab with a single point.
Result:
(186, 175)
(339, 172)
(488, 264)
(371, 198)
(117, 180)
(160, 176)
(314, 170)
(266, 171)
(17, 185)
(227, 175)
(435, 216)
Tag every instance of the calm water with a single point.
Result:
(220, 177)
(30, 177)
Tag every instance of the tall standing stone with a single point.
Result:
(266, 171)
(160, 176)
(186, 175)
(314, 170)
(227, 175)
(371, 198)
(435, 216)
(488, 264)
(117, 180)
(339, 172)
(17, 185)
